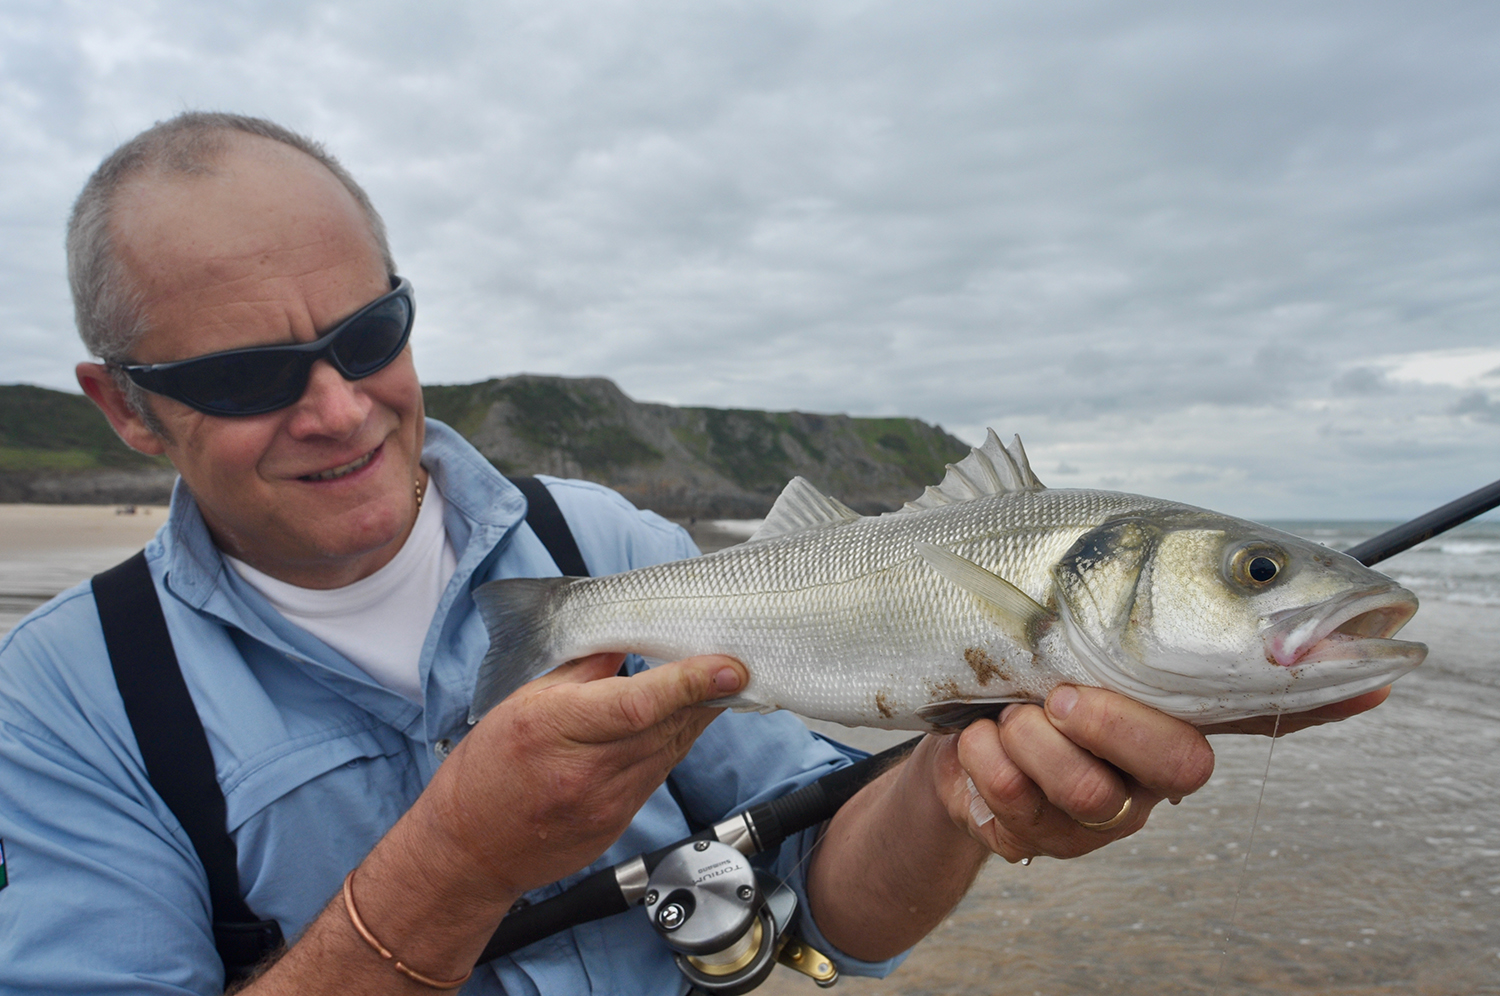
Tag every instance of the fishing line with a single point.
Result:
(822, 828)
(1234, 909)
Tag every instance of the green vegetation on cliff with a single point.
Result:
(554, 414)
(45, 430)
(720, 462)
(706, 462)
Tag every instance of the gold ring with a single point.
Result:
(1112, 822)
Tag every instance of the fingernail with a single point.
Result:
(1062, 700)
(1006, 713)
(979, 811)
(727, 680)
(1176, 802)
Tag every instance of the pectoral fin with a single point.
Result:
(1019, 615)
(946, 717)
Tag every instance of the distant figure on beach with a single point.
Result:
(314, 579)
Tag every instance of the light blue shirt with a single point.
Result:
(316, 760)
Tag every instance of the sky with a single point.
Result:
(1244, 255)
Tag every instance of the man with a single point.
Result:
(315, 575)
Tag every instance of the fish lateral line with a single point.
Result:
(720, 594)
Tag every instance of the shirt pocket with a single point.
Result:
(309, 812)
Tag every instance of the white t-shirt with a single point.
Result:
(381, 621)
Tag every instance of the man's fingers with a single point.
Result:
(610, 710)
(1291, 722)
(1026, 823)
(1073, 779)
(1166, 755)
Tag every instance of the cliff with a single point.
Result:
(681, 462)
(55, 448)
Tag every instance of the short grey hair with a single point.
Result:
(106, 304)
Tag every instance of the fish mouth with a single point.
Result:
(1358, 626)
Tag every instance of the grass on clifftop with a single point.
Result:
(42, 429)
(550, 414)
(922, 452)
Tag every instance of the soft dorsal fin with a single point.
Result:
(1019, 615)
(801, 506)
(991, 469)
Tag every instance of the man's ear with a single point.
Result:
(102, 390)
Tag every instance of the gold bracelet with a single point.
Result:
(384, 952)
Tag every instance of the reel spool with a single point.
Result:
(725, 924)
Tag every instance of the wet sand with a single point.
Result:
(45, 549)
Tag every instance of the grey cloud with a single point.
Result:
(1477, 405)
(1067, 215)
(1362, 381)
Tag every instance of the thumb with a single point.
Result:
(648, 698)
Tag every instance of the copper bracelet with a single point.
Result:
(385, 953)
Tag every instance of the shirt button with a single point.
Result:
(443, 748)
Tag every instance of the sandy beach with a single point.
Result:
(28, 529)
(45, 549)
(1373, 853)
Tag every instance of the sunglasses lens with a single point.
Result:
(375, 339)
(263, 379)
(242, 384)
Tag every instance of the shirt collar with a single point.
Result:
(482, 507)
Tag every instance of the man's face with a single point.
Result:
(271, 249)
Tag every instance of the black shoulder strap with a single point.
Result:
(551, 527)
(546, 520)
(175, 749)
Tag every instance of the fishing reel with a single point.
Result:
(725, 922)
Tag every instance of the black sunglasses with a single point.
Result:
(265, 378)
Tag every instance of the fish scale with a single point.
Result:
(965, 599)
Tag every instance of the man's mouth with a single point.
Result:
(333, 473)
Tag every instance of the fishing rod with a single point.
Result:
(1425, 527)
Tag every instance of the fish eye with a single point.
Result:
(1256, 565)
(1262, 569)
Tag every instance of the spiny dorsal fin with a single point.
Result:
(801, 506)
(991, 469)
(1017, 612)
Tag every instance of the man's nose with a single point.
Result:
(330, 406)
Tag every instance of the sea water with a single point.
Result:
(1376, 858)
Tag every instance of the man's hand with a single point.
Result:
(554, 774)
(1043, 773)
(537, 790)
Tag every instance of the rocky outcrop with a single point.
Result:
(717, 463)
(88, 487)
(681, 462)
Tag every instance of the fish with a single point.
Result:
(989, 588)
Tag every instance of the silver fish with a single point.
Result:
(990, 588)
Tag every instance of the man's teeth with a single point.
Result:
(348, 468)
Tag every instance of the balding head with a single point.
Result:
(106, 299)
